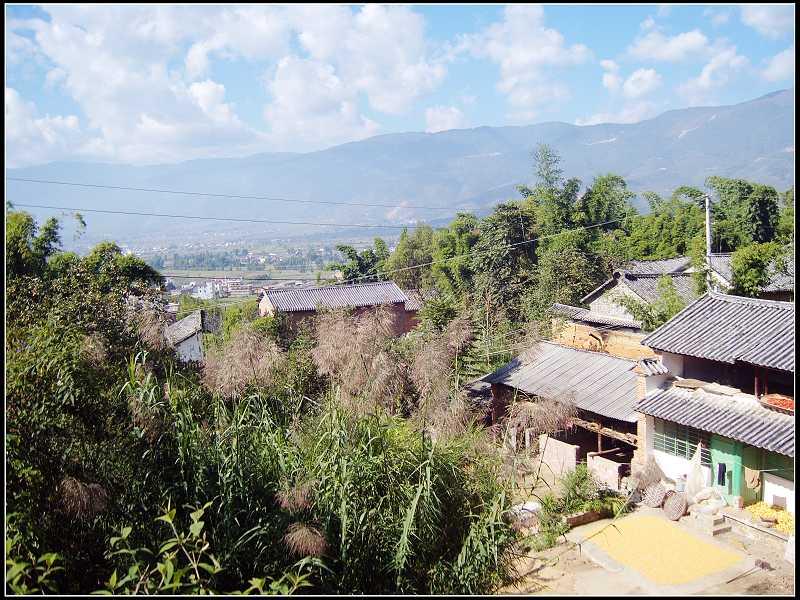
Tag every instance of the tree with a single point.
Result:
(409, 265)
(552, 199)
(452, 269)
(608, 199)
(744, 213)
(752, 266)
(28, 247)
(504, 256)
(785, 231)
(668, 229)
(365, 266)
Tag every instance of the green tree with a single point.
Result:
(409, 265)
(744, 213)
(28, 247)
(552, 199)
(785, 231)
(452, 269)
(365, 266)
(504, 257)
(667, 230)
(752, 266)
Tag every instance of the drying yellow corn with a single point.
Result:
(784, 520)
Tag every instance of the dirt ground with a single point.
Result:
(566, 570)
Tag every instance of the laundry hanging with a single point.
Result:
(752, 478)
(721, 469)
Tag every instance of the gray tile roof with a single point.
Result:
(336, 296)
(657, 267)
(595, 382)
(646, 286)
(728, 329)
(740, 417)
(416, 298)
(779, 282)
(185, 328)
(587, 316)
(652, 366)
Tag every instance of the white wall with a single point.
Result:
(190, 349)
(778, 486)
(606, 304)
(673, 363)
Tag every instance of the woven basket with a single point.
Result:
(653, 495)
(674, 505)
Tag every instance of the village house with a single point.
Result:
(186, 335)
(731, 361)
(604, 388)
(300, 304)
(779, 287)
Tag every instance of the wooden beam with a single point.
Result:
(628, 438)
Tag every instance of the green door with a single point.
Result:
(752, 458)
(727, 451)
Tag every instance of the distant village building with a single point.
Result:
(186, 335)
(300, 304)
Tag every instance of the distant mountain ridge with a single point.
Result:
(466, 169)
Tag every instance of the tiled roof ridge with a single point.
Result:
(334, 286)
(746, 300)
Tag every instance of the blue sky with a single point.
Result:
(147, 84)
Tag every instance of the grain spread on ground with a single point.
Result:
(661, 551)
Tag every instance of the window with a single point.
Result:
(679, 440)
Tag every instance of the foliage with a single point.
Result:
(365, 266)
(452, 269)
(752, 267)
(503, 257)
(745, 213)
(667, 230)
(785, 230)
(654, 314)
(409, 265)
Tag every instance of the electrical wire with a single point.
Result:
(231, 219)
(216, 195)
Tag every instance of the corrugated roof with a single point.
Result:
(336, 296)
(593, 381)
(731, 328)
(739, 417)
(587, 316)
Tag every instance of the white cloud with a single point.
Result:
(442, 118)
(144, 74)
(629, 113)
(611, 77)
(717, 17)
(780, 67)
(31, 138)
(647, 24)
(724, 64)
(657, 46)
(526, 52)
(379, 50)
(772, 21)
(641, 83)
(312, 104)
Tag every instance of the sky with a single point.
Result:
(148, 84)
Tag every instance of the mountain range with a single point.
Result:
(462, 169)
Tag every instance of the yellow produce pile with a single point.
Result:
(785, 521)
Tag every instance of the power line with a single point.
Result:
(215, 195)
(378, 272)
(234, 219)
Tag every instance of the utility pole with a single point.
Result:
(708, 241)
